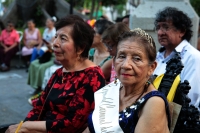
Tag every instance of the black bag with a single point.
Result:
(45, 57)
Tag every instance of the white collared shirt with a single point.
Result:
(190, 58)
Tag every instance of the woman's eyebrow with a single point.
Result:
(64, 35)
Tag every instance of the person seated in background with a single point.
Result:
(173, 28)
(131, 104)
(48, 36)
(37, 67)
(9, 40)
(68, 98)
(47, 75)
(99, 54)
(31, 39)
(110, 38)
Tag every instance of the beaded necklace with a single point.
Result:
(63, 77)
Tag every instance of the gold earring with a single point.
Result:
(115, 80)
(78, 58)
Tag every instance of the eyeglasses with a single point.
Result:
(110, 47)
(163, 28)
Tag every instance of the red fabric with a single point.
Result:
(9, 38)
(68, 104)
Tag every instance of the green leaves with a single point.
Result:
(113, 2)
(196, 5)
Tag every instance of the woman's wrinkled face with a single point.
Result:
(63, 45)
(31, 25)
(131, 63)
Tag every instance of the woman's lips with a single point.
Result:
(126, 75)
(57, 52)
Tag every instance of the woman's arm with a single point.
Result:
(153, 118)
(24, 38)
(39, 37)
(86, 130)
(29, 127)
(106, 68)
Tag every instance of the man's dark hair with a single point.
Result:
(179, 20)
(11, 22)
(82, 33)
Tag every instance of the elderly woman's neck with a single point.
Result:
(132, 90)
(74, 65)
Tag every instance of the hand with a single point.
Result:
(12, 128)
(48, 44)
(33, 43)
(6, 49)
(38, 47)
(28, 45)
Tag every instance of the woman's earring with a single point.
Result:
(115, 80)
(148, 83)
(78, 58)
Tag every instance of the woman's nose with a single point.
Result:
(160, 32)
(126, 64)
(56, 42)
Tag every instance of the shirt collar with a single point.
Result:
(180, 47)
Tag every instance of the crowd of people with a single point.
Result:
(98, 78)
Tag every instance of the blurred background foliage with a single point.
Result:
(94, 8)
(196, 5)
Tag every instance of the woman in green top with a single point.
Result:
(99, 54)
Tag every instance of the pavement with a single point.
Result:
(14, 94)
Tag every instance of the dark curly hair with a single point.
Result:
(179, 19)
(82, 33)
(144, 39)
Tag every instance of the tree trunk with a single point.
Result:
(92, 9)
(98, 4)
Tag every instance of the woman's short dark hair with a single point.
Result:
(101, 25)
(179, 19)
(31, 20)
(144, 39)
(82, 33)
(114, 31)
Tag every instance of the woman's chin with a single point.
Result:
(60, 59)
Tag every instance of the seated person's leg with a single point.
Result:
(1, 55)
(34, 54)
(26, 53)
(8, 56)
(40, 52)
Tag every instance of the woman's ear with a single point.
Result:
(79, 51)
(152, 67)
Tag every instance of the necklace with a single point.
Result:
(144, 90)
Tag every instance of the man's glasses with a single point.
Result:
(163, 28)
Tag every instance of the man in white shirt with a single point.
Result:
(173, 28)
